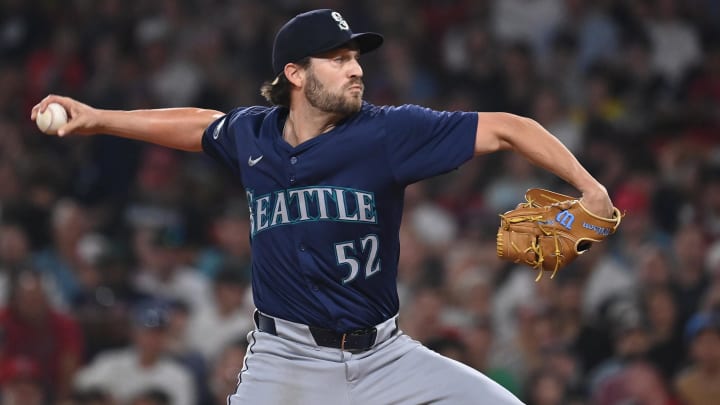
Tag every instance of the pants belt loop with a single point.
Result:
(265, 323)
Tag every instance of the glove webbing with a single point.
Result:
(535, 247)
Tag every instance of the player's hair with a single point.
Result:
(277, 91)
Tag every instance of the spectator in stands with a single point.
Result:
(229, 242)
(699, 384)
(479, 342)
(667, 352)
(227, 319)
(180, 349)
(676, 44)
(32, 329)
(163, 271)
(630, 342)
(21, 382)
(638, 383)
(690, 279)
(14, 255)
(126, 373)
(545, 387)
(60, 262)
(105, 311)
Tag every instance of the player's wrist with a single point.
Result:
(592, 188)
(597, 201)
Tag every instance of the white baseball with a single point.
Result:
(52, 119)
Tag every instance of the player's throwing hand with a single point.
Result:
(82, 119)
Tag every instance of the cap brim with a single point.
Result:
(367, 41)
(364, 41)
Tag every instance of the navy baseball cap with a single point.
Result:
(316, 32)
(700, 322)
(151, 315)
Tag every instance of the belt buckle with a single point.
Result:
(371, 333)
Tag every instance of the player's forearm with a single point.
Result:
(540, 147)
(178, 128)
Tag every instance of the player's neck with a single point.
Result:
(306, 122)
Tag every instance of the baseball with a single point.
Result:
(52, 119)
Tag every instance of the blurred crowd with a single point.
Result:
(124, 267)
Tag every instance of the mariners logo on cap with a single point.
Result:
(342, 24)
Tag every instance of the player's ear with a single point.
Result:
(295, 74)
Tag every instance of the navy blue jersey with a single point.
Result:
(325, 215)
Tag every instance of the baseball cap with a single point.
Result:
(315, 32)
(701, 322)
(151, 315)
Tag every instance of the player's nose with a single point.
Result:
(354, 69)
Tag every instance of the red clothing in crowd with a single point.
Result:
(55, 344)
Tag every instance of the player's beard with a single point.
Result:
(337, 103)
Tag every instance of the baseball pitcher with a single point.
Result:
(325, 174)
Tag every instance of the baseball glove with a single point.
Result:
(550, 230)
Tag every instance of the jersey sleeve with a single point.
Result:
(219, 141)
(422, 142)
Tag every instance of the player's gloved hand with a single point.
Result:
(550, 230)
(82, 119)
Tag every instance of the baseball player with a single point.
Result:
(325, 173)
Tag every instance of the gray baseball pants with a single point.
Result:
(291, 369)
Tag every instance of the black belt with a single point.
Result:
(356, 340)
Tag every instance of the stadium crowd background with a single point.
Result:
(124, 267)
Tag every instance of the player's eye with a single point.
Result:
(345, 58)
